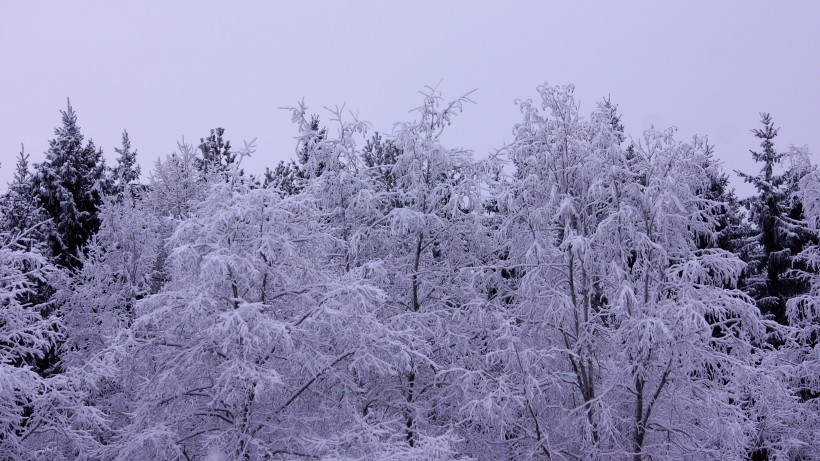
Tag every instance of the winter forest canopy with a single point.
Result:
(585, 293)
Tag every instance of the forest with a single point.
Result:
(582, 293)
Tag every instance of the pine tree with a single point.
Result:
(287, 177)
(776, 213)
(380, 155)
(216, 151)
(290, 177)
(70, 185)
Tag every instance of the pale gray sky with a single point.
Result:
(164, 70)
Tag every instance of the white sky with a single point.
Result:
(164, 70)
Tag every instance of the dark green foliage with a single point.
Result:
(311, 164)
(22, 216)
(379, 155)
(611, 110)
(127, 172)
(25, 226)
(70, 185)
(734, 233)
(777, 214)
(216, 152)
(291, 177)
(287, 177)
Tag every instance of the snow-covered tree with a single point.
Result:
(70, 185)
(43, 416)
(176, 183)
(216, 152)
(379, 155)
(22, 213)
(792, 415)
(431, 243)
(777, 213)
(121, 267)
(126, 175)
(608, 350)
(287, 178)
(734, 232)
(309, 148)
(578, 295)
(290, 177)
(257, 346)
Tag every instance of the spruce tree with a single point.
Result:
(777, 215)
(733, 232)
(610, 109)
(311, 140)
(127, 171)
(21, 215)
(70, 184)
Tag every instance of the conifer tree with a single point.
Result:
(127, 171)
(24, 226)
(290, 177)
(21, 209)
(42, 415)
(733, 232)
(776, 212)
(310, 163)
(70, 185)
(287, 177)
(380, 155)
(216, 151)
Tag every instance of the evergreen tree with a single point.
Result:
(610, 110)
(380, 155)
(22, 214)
(290, 177)
(43, 415)
(127, 171)
(733, 232)
(287, 177)
(216, 151)
(777, 214)
(310, 161)
(24, 226)
(401, 300)
(70, 185)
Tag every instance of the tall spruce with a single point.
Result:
(70, 185)
(777, 214)
(127, 172)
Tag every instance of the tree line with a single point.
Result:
(580, 294)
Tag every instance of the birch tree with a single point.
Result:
(609, 349)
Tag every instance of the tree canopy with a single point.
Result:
(584, 293)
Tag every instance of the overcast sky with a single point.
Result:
(164, 70)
